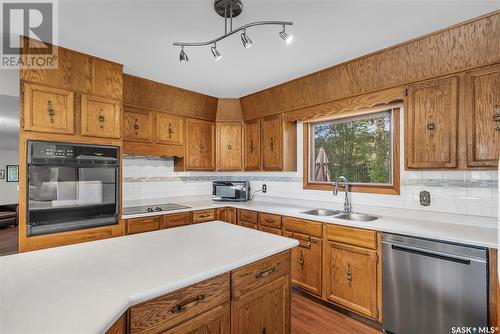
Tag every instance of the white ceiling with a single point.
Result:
(139, 34)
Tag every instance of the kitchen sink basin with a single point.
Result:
(360, 217)
(321, 212)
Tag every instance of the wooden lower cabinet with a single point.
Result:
(247, 218)
(140, 225)
(176, 219)
(306, 263)
(228, 215)
(203, 216)
(351, 278)
(216, 321)
(264, 310)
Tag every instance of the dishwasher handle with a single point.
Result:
(430, 253)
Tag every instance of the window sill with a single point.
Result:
(375, 189)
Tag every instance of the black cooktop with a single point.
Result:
(153, 208)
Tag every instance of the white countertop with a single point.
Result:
(470, 230)
(85, 288)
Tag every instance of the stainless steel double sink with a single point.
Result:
(360, 217)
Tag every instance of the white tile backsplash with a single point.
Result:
(468, 193)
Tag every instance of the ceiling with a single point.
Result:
(139, 34)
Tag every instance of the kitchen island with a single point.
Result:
(86, 288)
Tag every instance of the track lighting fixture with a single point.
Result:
(247, 42)
(216, 53)
(286, 37)
(183, 57)
(229, 9)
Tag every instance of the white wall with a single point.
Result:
(469, 193)
(8, 190)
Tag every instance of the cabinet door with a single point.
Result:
(216, 321)
(431, 124)
(272, 143)
(227, 215)
(483, 117)
(176, 219)
(229, 146)
(351, 278)
(48, 109)
(200, 145)
(169, 129)
(140, 225)
(306, 263)
(252, 145)
(264, 310)
(138, 125)
(101, 117)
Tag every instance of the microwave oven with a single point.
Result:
(231, 191)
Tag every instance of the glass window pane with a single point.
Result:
(359, 148)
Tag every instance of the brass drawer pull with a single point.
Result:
(348, 275)
(252, 146)
(265, 273)
(136, 127)
(51, 111)
(170, 131)
(179, 308)
(496, 117)
(431, 126)
(301, 259)
(229, 147)
(304, 244)
(204, 216)
(101, 119)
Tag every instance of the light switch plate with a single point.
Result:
(425, 198)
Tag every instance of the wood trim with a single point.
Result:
(393, 189)
(141, 149)
(470, 44)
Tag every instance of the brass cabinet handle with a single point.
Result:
(179, 308)
(265, 273)
(136, 127)
(301, 259)
(431, 126)
(271, 143)
(101, 118)
(51, 111)
(348, 275)
(496, 117)
(252, 146)
(170, 131)
(264, 331)
(204, 216)
(201, 146)
(229, 147)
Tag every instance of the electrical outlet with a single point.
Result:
(425, 198)
(264, 188)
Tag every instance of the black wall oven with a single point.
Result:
(71, 186)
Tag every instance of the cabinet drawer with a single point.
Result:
(270, 220)
(260, 273)
(163, 313)
(352, 236)
(202, 216)
(248, 216)
(140, 225)
(101, 117)
(303, 226)
(177, 219)
(271, 230)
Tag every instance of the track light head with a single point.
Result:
(247, 42)
(183, 57)
(286, 37)
(216, 53)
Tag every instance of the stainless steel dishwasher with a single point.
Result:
(431, 286)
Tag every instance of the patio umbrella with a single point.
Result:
(322, 173)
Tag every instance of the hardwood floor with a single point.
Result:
(309, 317)
(8, 240)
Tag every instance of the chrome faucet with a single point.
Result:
(347, 202)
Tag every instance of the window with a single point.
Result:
(364, 148)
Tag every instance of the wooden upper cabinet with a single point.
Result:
(483, 116)
(279, 144)
(272, 141)
(229, 146)
(100, 117)
(252, 145)
(351, 278)
(138, 125)
(48, 109)
(169, 129)
(200, 148)
(431, 124)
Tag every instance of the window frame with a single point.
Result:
(387, 189)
